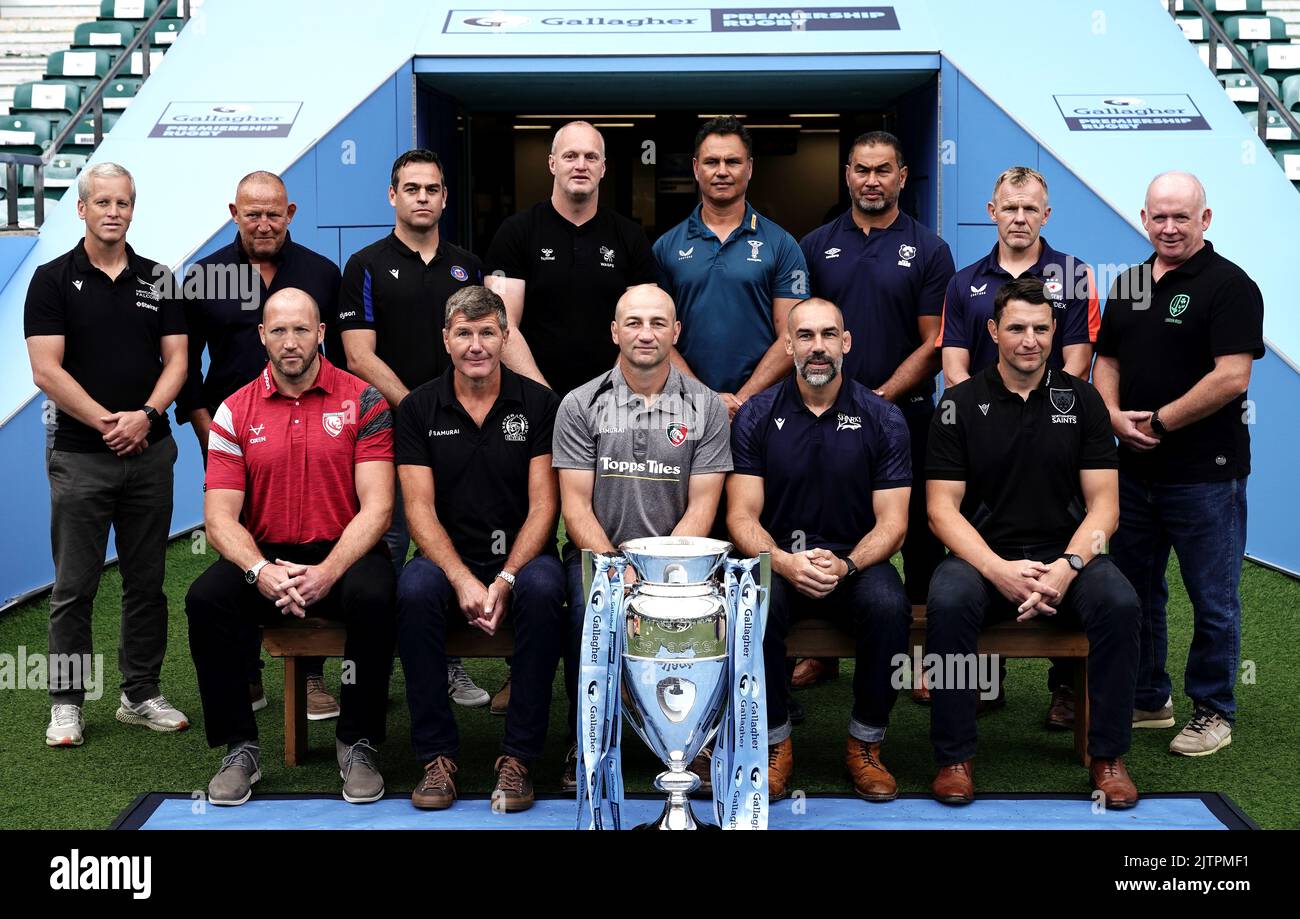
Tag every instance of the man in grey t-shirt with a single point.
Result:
(641, 451)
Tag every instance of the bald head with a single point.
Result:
(648, 298)
(261, 177)
(262, 212)
(289, 305)
(578, 133)
(813, 306)
(1182, 186)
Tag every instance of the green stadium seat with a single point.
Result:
(165, 32)
(79, 65)
(136, 66)
(1276, 58)
(119, 93)
(135, 9)
(82, 139)
(1251, 29)
(26, 133)
(1193, 27)
(61, 173)
(55, 96)
(1220, 8)
(1288, 157)
(1276, 129)
(107, 33)
(1242, 90)
(1290, 93)
(1225, 59)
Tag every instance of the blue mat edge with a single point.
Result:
(1224, 809)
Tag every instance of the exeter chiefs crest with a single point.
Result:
(1062, 400)
(333, 422)
(515, 427)
(677, 433)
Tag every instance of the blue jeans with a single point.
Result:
(427, 607)
(1206, 525)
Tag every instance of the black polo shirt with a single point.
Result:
(480, 475)
(1165, 340)
(220, 320)
(1020, 458)
(112, 330)
(573, 277)
(388, 288)
(819, 472)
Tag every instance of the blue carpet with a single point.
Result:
(1001, 812)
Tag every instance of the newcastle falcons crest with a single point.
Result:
(1062, 400)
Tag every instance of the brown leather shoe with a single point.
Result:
(780, 765)
(436, 790)
(702, 766)
(501, 701)
(321, 706)
(871, 780)
(955, 784)
(1110, 776)
(514, 789)
(1060, 714)
(813, 670)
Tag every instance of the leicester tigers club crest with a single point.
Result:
(677, 433)
(333, 422)
(1062, 400)
(515, 428)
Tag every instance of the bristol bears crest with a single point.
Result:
(677, 433)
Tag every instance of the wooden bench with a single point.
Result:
(300, 638)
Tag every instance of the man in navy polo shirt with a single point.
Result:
(888, 273)
(1020, 209)
(391, 316)
(733, 274)
(822, 479)
(224, 294)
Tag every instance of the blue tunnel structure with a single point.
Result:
(971, 88)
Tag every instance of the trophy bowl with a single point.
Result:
(675, 658)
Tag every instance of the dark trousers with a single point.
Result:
(89, 493)
(922, 551)
(1206, 525)
(221, 606)
(427, 606)
(1100, 600)
(874, 605)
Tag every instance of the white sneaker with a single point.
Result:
(156, 714)
(1204, 734)
(66, 726)
(462, 690)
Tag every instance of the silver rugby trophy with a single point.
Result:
(678, 675)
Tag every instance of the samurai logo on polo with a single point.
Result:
(333, 422)
(677, 433)
(515, 427)
(1063, 405)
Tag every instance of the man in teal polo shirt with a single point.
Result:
(733, 274)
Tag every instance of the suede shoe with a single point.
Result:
(871, 780)
(233, 783)
(780, 766)
(514, 789)
(1111, 778)
(359, 770)
(501, 701)
(955, 784)
(321, 706)
(1162, 717)
(437, 789)
(1206, 733)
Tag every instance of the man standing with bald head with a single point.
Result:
(1178, 337)
(561, 266)
(224, 295)
(642, 450)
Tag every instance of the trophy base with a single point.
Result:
(674, 818)
(678, 784)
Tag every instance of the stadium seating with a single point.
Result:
(119, 93)
(110, 33)
(1277, 58)
(139, 10)
(165, 32)
(25, 133)
(82, 139)
(53, 98)
(1223, 57)
(1251, 30)
(1242, 90)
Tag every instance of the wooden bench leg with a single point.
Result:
(1082, 712)
(295, 712)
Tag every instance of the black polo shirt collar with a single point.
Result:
(846, 224)
(792, 399)
(279, 258)
(512, 393)
(998, 389)
(1188, 269)
(135, 266)
(1046, 256)
(405, 251)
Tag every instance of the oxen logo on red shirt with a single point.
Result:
(333, 423)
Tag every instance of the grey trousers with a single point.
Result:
(89, 492)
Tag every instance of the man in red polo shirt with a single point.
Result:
(299, 492)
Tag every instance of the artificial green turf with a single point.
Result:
(87, 787)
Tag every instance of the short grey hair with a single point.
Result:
(101, 171)
(476, 302)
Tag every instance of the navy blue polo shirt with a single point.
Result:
(968, 305)
(883, 281)
(724, 292)
(227, 325)
(819, 472)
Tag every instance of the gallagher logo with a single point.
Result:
(497, 21)
(677, 433)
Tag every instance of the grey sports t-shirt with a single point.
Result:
(643, 457)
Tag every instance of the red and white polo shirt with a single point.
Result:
(295, 458)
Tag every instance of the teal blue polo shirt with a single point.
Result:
(724, 292)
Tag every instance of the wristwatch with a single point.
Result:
(853, 569)
(150, 412)
(507, 577)
(251, 574)
(1157, 425)
(1075, 561)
